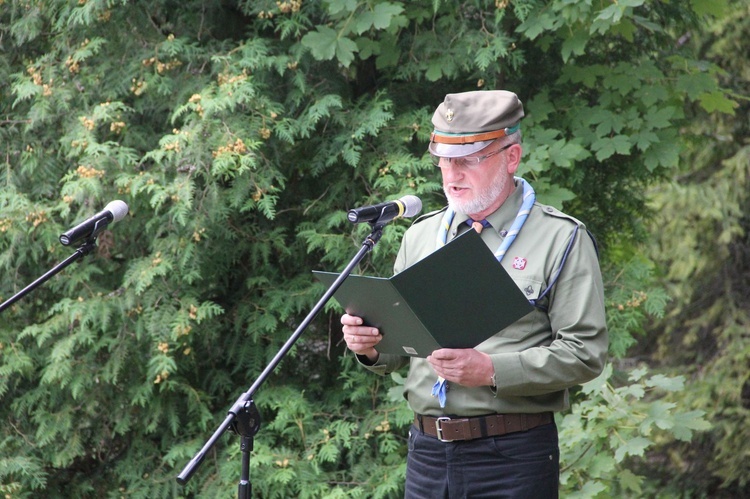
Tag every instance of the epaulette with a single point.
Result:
(551, 210)
(428, 215)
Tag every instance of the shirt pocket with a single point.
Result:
(529, 286)
(535, 321)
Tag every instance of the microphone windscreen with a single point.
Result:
(412, 205)
(118, 209)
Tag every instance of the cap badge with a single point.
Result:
(449, 115)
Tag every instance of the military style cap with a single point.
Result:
(468, 122)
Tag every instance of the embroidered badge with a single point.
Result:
(449, 115)
(529, 289)
(519, 263)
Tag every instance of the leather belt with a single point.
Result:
(448, 429)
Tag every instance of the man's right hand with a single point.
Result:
(360, 339)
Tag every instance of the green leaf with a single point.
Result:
(565, 153)
(539, 109)
(587, 75)
(715, 8)
(598, 384)
(626, 29)
(556, 196)
(606, 147)
(630, 481)
(534, 26)
(659, 117)
(686, 423)
(379, 17)
(664, 153)
(637, 374)
(322, 43)
(659, 414)
(434, 71)
(345, 49)
(717, 101)
(389, 54)
(613, 14)
(575, 44)
(632, 447)
(634, 391)
(591, 489)
(671, 384)
(384, 13)
(337, 6)
(695, 84)
(368, 47)
(644, 138)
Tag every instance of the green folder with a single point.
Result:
(457, 297)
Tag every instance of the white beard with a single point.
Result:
(483, 199)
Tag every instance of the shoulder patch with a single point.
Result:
(429, 215)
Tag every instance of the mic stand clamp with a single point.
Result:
(246, 425)
(243, 418)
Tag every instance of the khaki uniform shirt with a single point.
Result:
(561, 343)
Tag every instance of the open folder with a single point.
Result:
(457, 297)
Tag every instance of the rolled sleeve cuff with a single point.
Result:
(384, 365)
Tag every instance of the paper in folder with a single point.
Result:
(457, 297)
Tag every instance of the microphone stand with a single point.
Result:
(243, 418)
(88, 245)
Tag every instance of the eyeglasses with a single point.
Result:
(466, 161)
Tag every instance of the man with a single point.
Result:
(483, 416)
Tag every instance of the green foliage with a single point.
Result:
(701, 240)
(613, 426)
(239, 133)
(633, 299)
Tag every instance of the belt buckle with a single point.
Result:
(439, 428)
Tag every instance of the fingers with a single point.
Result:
(444, 354)
(450, 358)
(354, 326)
(359, 338)
(351, 320)
(467, 367)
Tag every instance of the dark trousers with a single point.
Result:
(517, 465)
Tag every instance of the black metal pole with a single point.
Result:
(84, 250)
(242, 402)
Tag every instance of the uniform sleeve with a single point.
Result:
(386, 363)
(579, 345)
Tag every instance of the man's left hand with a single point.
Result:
(465, 366)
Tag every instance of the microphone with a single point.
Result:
(407, 206)
(113, 212)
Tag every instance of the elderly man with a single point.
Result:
(484, 424)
